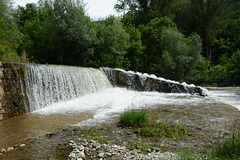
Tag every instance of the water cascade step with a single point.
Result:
(48, 84)
(28, 87)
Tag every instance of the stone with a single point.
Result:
(22, 145)
(3, 150)
(10, 149)
(81, 155)
(149, 150)
(81, 148)
(1, 116)
(101, 155)
(95, 145)
(108, 154)
(50, 134)
(156, 149)
(92, 141)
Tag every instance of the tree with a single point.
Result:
(134, 57)
(9, 34)
(168, 53)
(57, 32)
(112, 43)
(180, 55)
(206, 11)
(151, 34)
(145, 10)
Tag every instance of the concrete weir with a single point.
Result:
(28, 87)
(145, 82)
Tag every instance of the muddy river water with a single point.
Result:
(101, 107)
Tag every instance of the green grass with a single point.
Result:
(134, 118)
(91, 132)
(187, 155)
(230, 149)
(140, 120)
(163, 130)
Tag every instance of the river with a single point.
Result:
(101, 107)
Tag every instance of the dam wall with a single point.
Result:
(25, 88)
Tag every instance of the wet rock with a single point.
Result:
(3, 150)
(145, 82)
(50, 134)
(10, 149)
(101, 155)
(22, 145)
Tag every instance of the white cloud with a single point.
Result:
(95, 8)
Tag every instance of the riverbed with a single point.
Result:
(104, 106)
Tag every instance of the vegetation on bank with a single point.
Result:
(147, 128)
(196, 41)
(230, 149)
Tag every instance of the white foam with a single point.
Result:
(226, 96)
(111, 102)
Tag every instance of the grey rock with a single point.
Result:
(3, 150)
(10, 149)
(101, 155)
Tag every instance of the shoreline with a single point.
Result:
(207, 125)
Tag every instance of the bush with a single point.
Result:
(134, 118)
(230, 149)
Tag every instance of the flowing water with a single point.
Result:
(99, 107)
(48, 84)
(61, 96)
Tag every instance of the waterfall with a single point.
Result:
(48, 84)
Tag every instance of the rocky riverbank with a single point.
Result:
(208, 125)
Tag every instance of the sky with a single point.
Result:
(95, 8)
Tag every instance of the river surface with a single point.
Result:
(101, 107)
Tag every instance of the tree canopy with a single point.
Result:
(187, 40)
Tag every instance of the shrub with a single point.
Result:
(230, 149)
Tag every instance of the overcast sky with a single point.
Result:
(95, 8)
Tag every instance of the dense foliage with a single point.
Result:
(197, 41)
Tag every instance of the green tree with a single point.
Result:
(134, 57)
(57, 32)
(145, 10)
(112, 43)
(168, 53)
(206, 12)
(151, 34)
(9, 34)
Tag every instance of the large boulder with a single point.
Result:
(145, 82)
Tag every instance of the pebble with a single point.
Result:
(50, 134)
(22, 145)
(10, 149)
(101, 155)
(3, 150)
(89, 152)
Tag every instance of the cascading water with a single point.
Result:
(48, 84)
